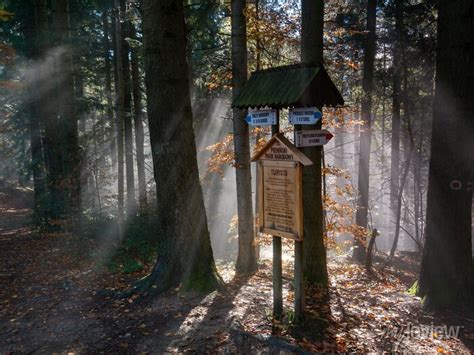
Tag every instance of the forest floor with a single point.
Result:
(54, 298)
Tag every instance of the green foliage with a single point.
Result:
(208, 46)
(134, 253)
(139, 246)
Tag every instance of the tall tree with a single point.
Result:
(185, 256)
(396, 101)
(66, 107)
(126, 32)
(138, 123)
(366, 130)
(314, 255)
(120, 110)
(246, 259)
(108, 88)
(446, 278)
(36, 29)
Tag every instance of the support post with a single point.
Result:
(277, 268)
(298, 280)
(277, 279)
(298, 270)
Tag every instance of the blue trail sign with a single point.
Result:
(304, 115)
(261, 118)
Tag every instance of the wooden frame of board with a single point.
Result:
(296, 169)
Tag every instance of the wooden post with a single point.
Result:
(277, 279)
(298, 280)
(298, 270)
(277, 268)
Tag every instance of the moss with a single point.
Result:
(413, 290)
(202, 282)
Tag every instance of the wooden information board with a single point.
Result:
(280, 197)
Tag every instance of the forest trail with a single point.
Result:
(56, 300)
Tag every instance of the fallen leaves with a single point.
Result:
(67, 299)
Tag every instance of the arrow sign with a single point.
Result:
(261, 118)
(312, 138)
(305, 115)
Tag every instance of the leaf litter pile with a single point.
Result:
(55, 299)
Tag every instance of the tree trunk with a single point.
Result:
(370, 251)
(185, 255)
(398, 212)
(53, 138)
(408, 152)
(446, 268)
(395, 144)
(120, 113)
(36, 30)
(418, 191)
(366, 130)
(127, 106)
(66, 108)
(110, 135)
(37, 162)
(246, 259)
(314, 251)
(138, 121)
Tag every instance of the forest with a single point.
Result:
(236, 176)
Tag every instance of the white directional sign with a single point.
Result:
(312, 138)
(262, 118)
(305, 115)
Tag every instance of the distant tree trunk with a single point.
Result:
(339, 143)
(446, 278)
(127, 104)
(37, 162)
(418, 191)
(398, 202)
(246, 259)
(75, 19)
(120, 115)
(79, 95)
(314, 255)
(366, 130)
(138, 121)
(408, 150)
(370, 250)
(66, 108)
(395, 144)
(185, 256)
(355, 162)
(110, 135)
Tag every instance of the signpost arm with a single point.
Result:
(277, 268)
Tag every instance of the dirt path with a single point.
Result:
(54, 300)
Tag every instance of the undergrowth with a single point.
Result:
(135, 251)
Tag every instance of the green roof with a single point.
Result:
(289, 86)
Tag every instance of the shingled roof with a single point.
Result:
(296, 85)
